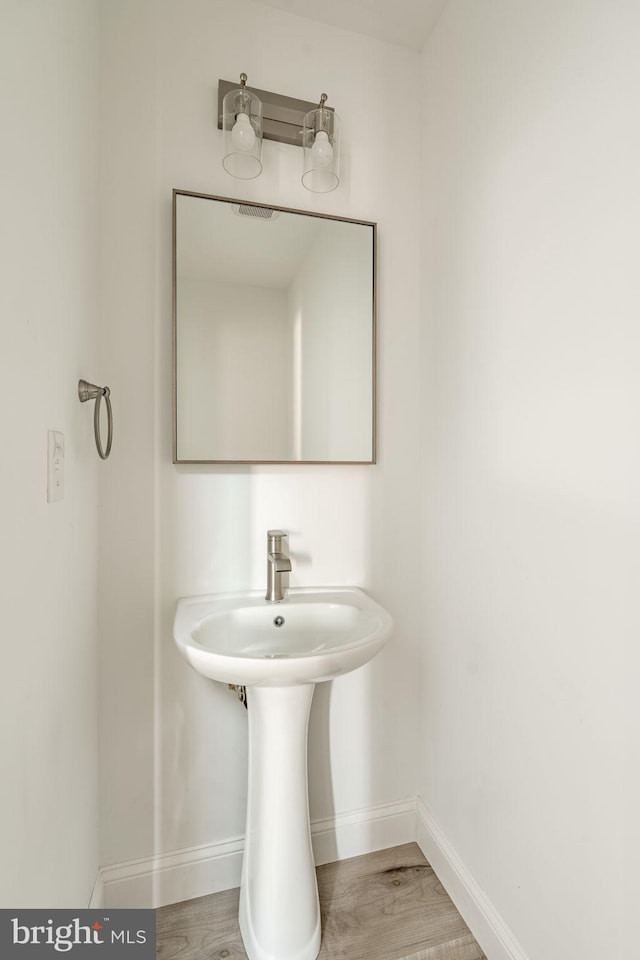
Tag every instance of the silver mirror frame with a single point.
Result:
(374, 335)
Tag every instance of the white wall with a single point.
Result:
(532, 462)
(332, 302)
(174, 744)
(234, 372)
(48, 729)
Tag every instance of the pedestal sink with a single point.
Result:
(279, 651)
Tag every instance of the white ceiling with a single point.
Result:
(407, 22)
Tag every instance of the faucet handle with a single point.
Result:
(274, 540)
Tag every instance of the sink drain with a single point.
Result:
(278, 622)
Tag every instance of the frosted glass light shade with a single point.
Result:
(321, 151)
(242, 134)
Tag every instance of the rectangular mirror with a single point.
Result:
(274, 334)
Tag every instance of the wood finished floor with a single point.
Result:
(387, 905)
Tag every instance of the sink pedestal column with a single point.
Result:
(279, 909)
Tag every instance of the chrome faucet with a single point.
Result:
(277, 564)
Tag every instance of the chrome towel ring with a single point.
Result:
(89, 391)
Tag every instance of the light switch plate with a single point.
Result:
(55, 466)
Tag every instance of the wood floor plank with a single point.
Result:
(465, 948)
(202, 929)
(387, 905)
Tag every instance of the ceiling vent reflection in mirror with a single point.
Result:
(255, 212)
(247, 115)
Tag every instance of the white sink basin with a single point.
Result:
(314, 634)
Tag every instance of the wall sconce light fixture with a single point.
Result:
(321, 149)
(246, 116)
(242, 125)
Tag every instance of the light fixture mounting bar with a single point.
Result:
(282, 117)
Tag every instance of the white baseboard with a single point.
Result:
(482, 918)
(210, 868)
(97, 894)
(363, 831)
(173, 877)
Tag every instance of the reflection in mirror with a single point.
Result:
(274, 334)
